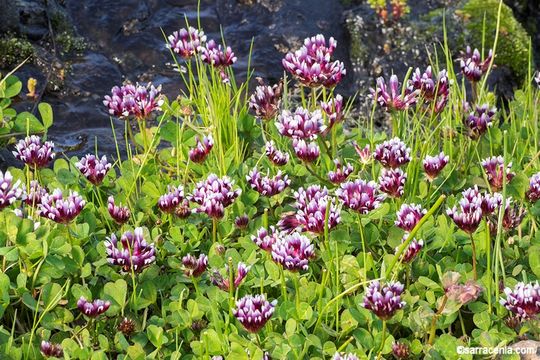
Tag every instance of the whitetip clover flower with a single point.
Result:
(49, 349)
(431, 90)
(305, 150)
(277, 157)
(333, 108)
(494, 168)
(364, 153)
(392, 182)
(213, 54)
(433, 165)
(253, 312)
(9, 191)
(478, 120)
(360, 196)
(93, 168)
(136, 101)
(533, 194)
(33, 152)
(194, 267)
(222, 281)
(293, 251)
(264, 239)
(33, 195)
(341, 173)
(202, 148)
(312, 64)
(523, 300)
(409, 215)
(392, 153)
(393, 98)
(92, 308)
(472, 65)
(119, 213)
(469, 214)
(59, 208)
(265, 101)
(170, 200)
(132, 252)
(384, 302)
(414, 248)
(311, 205)
(213, 195)
(302, 124)
(186, 42)
(267, 186)
(342, 356)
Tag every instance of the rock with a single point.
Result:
(9, 17)
(528, 344)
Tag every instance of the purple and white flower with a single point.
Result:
(469, 214)
(472, 65)
(32, 197)
(478, 120)
(393, 98)
(494, 168)
(49, 349)
(186, 42)
(92, 308)
(392, 153)
(293, 251)
(341, 173)
(305, 150)
(93, 168)
(253, 312)
(10, 191)
(301, 124)
(194, 267)
(392, 182)
(523, 300)
(414, 248)
(132, 252)
(265, 101)
(33, 152)
(169, 201)
(266, 185)
(533, 194)
(59, 209)
(222, 281)
(432, 90)
(334, 110)
(202, 148)
(360, 196)
(119, 213)
(386, 301)
(213, 195)
(137, 101)
(433, 165)
(277, 157)
(364, 153)
(265, 239)
(409, 215)
(311, 206)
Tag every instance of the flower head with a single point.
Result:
(33, 196)
(241, 222)
(214, 55)
(478, 120)
(469, 214)
(409, 215)
(533, 194)
(392, 153)
(523, 300)
(93, 168)
(341, 173)
(432, 90)
(49, 349)
(537, 78)
(132, 252)
(62, 210)
(186, 42)
(253, 312)
(386, 301)
(183, 210)
(393, 99)
(360, 196)
(301, 124)
(472, 66)
(334, 110)
(491, 202)
(306, 151)
(214, 195)
(415, 246)
(311, 205)
(137, 101)
(265, 101)
(312, 64)
(433, 165)
(94, 308)
(200, 152)
(392, 182)
(494, 168)
(119, 213)
(277, 157)
(126, 326)
(9, 191)
(266, 185)
(293, 251)
(194, 267)
(33, 152)
(265, 239)
(364, 153)
(401, 350)
(222, 281)
(512, 217)
(169, 201)
(343, 356)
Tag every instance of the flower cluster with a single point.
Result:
(9, 191)
(386, 301)
(92, 308)
(293, 251)
(469, 215)
(265, 239)
(494, 168)
(194, 267)
(512, 217)
(33, 152)
(62, 210)
(401, 350)
(478, 120)
(277, 157)
(201, 150)
(301, 124)
(312, 64)
(533, 194)
(433, 165)
(393, 98)
(392, 153)
(214, 195)
(253, 312)
(186, 42)
(341, 173)
(33, 196)
(93, 168)
(409, 215)
(360, 196)
(223, 281)
(341, 356)
(311, 206)
(265, 101)
(364, 153)
(119, 213)
(436, 91)
(462, 293)
(415, 246)
(334, 110)
(392, 182)
(267, 186)
(137, 101)
(523, 300)
(306, 151)
(49, 349)
(241, 222)
(132, 252)
(213, 54)
(472, 65)
(169, 201)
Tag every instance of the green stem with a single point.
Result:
(473, 246)
(434, 320)
(381, 348)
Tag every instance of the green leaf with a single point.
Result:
(52, 294)
(534, 259)
(4, 293)
(482, 320)
(156, 336)
(28, 123)
(116, 292)
(46, 112)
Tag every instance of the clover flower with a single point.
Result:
(119, 213)
(33, 195)
(393, 99)
(334, 110)
(341, 173)
(33, 152)
(392, 182)
(277, 157)
(392, 153)
(223, 281)
(512, 217)
(414, 248)
(137, 101)
(293, 251)
(301, 124)
(306, 151)
(430, 89)
(253, 312)
(343, 356)
(433, 165)
(409, 215)
(523, 300)
(494, 168)
(194, 267)
(186, 42)
(469, 215)
(93, 168)
(364, 153)
(169, 201)
(266, 185)
(491, 202)
(265, 101)
(126, 326)
(533, 194)
(472, 65)
(241, 222)
(214, 55)
(312, 64)
(311, 205)
(360, 196)
(386, 301)
(537, 78)
(94, 308)
(265, 239)
(462, 293)
(59, 209)
(401, 350)
(132, 252)
(49, 349)
(201, 150)
(213, 195)
(479, 120)
(9, 191)
(183, 210)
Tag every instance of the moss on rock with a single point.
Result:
(14, 51)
